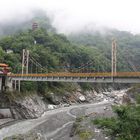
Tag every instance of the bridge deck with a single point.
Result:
(68, 74)
(120, 77)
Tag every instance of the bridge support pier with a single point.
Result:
(17, 85)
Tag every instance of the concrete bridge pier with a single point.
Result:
(16, 84)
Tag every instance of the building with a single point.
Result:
(34, 26)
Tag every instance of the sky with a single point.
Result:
(73, 15)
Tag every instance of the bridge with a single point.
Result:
(77, 75)
(120, 77)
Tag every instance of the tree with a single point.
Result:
(1, 54)
(126, 124)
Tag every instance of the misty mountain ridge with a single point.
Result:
(103, 37)
(14, 26)
(44, 21)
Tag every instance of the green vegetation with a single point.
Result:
(126, 124)
(128, 46)
(85, 135)
(12, 96)
(80, 130)
(54, 52)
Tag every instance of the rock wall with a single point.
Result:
(28, 107)
(34, 105)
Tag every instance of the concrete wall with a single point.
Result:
(9, 85)
(5, 112)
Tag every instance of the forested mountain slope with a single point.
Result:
(53, 51)
(128, 45)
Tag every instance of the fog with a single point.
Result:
(72, 15)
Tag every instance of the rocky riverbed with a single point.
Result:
(54, 125)
(58, 124)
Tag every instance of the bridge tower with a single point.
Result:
(25, 61)
(114, 58)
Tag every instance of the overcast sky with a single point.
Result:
(71, 15)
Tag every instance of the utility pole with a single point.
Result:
(114, 59)
(25, 61)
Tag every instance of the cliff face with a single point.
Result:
(34, 105)
(29, 107)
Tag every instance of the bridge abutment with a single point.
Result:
(6, 84)
(9, 85)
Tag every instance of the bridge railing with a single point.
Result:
(68, 74)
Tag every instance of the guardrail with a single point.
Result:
(67, 74)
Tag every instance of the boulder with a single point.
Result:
(50, 107)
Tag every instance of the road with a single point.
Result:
(54, 124)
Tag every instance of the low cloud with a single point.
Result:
(73, 15)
